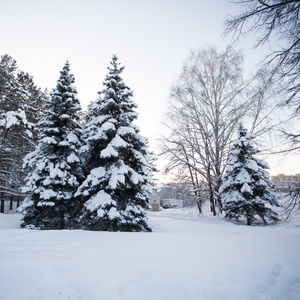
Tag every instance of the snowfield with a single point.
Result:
(187, 256)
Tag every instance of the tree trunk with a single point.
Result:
(62, 220)
(217, 188)
(195, 184)
(211, 192)
(2, 210)
(199, 206)
(248, 220)
(211, 198)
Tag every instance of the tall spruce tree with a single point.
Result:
(245, 190)
(57, 168)
(115, 155)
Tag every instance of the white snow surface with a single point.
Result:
(187, 256)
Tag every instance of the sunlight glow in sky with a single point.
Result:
(151, 39)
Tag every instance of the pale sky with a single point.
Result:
(151, 38)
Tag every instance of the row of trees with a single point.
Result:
(79, 174)
(93, 175)
(207, 104)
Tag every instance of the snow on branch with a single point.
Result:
(12, 118)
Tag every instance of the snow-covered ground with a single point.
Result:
(187, 256)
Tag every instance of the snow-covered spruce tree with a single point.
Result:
(115, 156)
(57, 169)
(245, 189)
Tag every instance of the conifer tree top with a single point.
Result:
(65, 76)
(114, 84)
(64, 95)
(116, 97)
(115, 66)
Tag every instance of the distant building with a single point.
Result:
(154, 199)
(284, 182)
(286, 178)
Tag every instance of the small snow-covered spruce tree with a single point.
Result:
(245, 189)
(57, 169)
(115, 192)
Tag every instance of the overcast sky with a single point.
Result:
(151, 38)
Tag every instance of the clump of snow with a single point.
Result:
(55, 171)
(262, 163)
(109, 151)
(243, 176)
(187, 256)
(246, 188)
(117, 175)
(101, 199)
(251, 164)
(72, 138)
(72, 158)
(12, 118)
(113, 213)
(49, 140)
(118, 142)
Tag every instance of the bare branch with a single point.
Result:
(279, 19)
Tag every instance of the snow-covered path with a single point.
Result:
(185, 257)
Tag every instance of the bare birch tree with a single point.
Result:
(206, 105)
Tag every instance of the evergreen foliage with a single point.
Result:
(35, 99)
(114, 193)
(57, 168)
(245, 190)
(21, 104)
